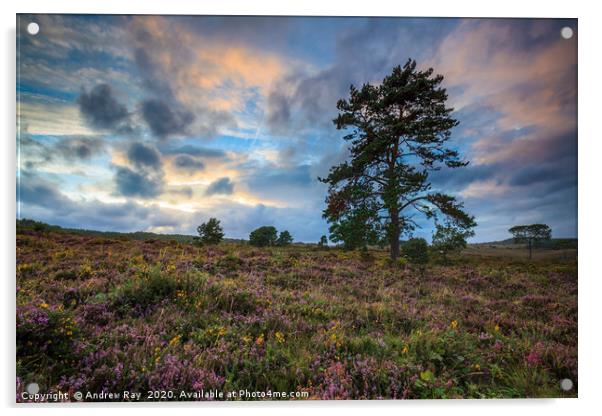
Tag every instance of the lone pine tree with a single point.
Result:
(398, 133)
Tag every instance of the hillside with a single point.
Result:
(97, 313)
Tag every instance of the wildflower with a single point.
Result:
(477, 367)
(43, 305)
(454, 324)
(259, 340)
(279, 337)
(405, 349)
(174, 340)
(246, 339)
(497, 328)
(222, 331)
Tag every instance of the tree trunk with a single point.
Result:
(394, 233)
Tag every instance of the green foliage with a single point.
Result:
(263, 236)
(284, 239)
(323, 241)
(398, 132)
(533, 235)
(210, 232)
(357, 228)
(449, 238)
(416, 250)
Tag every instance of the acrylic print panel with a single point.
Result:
(208, 211)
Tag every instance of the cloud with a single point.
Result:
(188, 163)
(82, 148)
(144, 156)
(222, 186)
(137, 184)
(165, 120)
(196, 151)
(102, 110)
(35, 191)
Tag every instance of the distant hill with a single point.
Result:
(554, 243)
(137, 235)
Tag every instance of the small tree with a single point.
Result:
(323, 241)
(210, 232)
(263, 236)
(532, 235)
(449, 238)
(284, 239)
(416, 250)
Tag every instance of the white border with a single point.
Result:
(590, 149)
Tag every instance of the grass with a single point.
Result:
(100, 314)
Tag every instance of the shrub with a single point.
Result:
(151, 287)
(416, 251)
(47, 331)
(210, 232)
(323, 241)
(263, 236)
(284, 239)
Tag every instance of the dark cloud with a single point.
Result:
(35, 191)
(165, 120)
(373, 46)
(102, 110)
(73, 148)
(138, 184)
(278, 111)
(533, 174)
(194, 151)
(144, 156)
(277, 178)
(188, 164)
(220, 186)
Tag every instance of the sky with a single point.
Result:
(158, 123)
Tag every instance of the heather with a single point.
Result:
(113, 314)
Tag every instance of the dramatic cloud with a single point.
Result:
(188, 163)
(79, 147)
(222, 186)
(218, 101)
(102, 110)
(165, 121)
(143, 156)
(195, 151)
(132, 183)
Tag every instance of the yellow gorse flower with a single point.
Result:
(259, 340)
(174, 340)
(405, 349)
(497, 328)
(454, 324)
(279, 337)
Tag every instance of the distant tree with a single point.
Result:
(416, 250)
(284, 239)
(448, 238)
(263, 236)
(323, 241)
(532, 235)
(210, 232)
(398, 131)
(356, 229)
